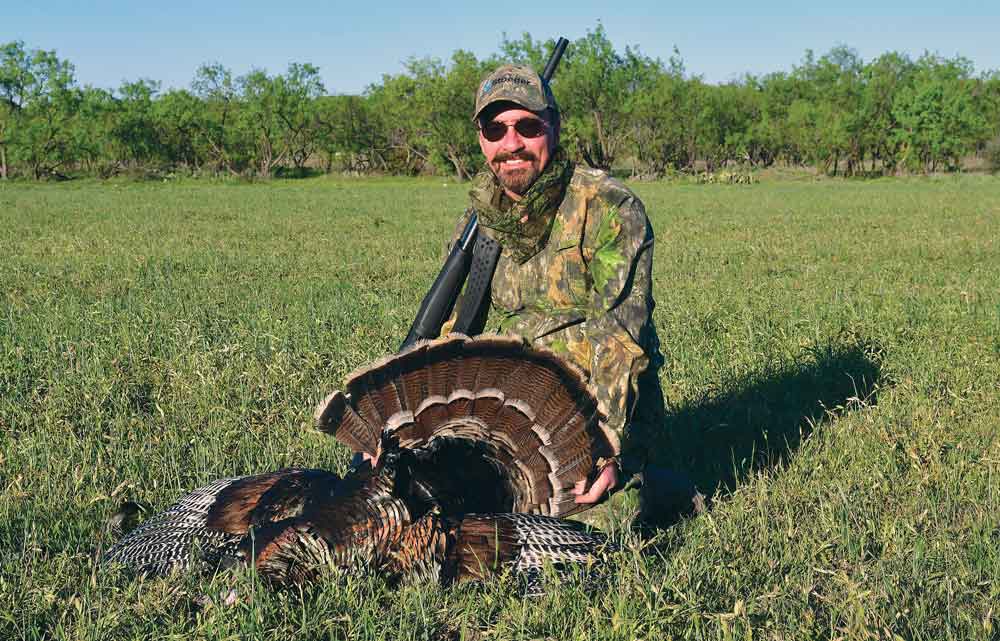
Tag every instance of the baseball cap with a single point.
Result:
(517, 84)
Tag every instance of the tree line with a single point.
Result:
(621, 109)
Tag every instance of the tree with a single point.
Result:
(443, 102)
(297, 93)
(808, 134)
(44, 137)
(350, 131)
(527, 52)
(259, 121)
(884, 78)
(15, 82)
(214, 86)
(721, 123)
(406, 149)
(94, 140)
(775, 92)
(595, 84)
(40, 101)
(660, 131)
(134, 130)
(937, 119)
(276, 119)
(180, 122)
(836, 89)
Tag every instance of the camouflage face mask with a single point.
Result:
(539, 204)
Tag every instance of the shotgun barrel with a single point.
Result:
(557, 52)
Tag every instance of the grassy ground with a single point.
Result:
(832, 374)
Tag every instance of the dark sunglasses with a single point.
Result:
(525, 127)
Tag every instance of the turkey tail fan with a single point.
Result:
(526, 544)
(522, 410)
(339, 419)
(205, 527)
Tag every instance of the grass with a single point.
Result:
(832, 380)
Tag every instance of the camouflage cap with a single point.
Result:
(517, 84)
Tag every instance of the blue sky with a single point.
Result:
(354, 43)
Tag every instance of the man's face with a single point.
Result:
(517, 160)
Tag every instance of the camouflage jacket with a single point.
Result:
(587, 294)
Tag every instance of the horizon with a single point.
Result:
(112, 42)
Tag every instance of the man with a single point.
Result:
(574, 274)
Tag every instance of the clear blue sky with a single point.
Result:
(354, 43)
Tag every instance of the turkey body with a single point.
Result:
(478, 445)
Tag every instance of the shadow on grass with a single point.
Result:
(758, 423)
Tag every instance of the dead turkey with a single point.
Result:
(477, 445)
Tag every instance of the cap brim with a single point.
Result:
(526, 104)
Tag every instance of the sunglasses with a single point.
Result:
(525, 127)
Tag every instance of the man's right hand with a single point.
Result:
(605, 483)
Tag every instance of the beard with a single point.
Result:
(517, 180)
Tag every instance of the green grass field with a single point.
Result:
(832, 375)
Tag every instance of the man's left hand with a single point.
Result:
(606, 481)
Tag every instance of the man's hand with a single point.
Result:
(606, 481)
